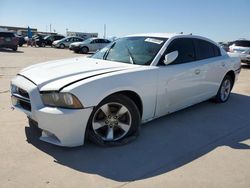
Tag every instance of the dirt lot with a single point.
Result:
(207, 145)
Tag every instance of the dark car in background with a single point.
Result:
(39, 39)
(8, 40)
(21, 40)
(51, 38)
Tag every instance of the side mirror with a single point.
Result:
(169, 58)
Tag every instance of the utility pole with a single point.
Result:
(104, 35)
(67, 31)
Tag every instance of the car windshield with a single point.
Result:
(134, 50)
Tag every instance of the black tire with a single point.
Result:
(14, 48)
(219, 98)
(76, 51)
(84, 50)
(20, 45)
(43, 44)
(62, 46)
(133, 131)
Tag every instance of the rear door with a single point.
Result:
(179, 82)
(210, 60)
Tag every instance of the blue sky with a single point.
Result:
(220, 20)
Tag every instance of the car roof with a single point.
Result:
(171, 35)
(160, 35)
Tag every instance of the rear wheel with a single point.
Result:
(225, 89)
(113, 121)
(84, 50)
(43, 44)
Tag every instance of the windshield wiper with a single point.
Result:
(107, 52)
(131, 58)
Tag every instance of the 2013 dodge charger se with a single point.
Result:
(133, 80)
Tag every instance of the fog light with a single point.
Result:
(14, 100)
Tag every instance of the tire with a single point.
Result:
(84, 50)
(77, 51)
(224, 91)
(62, 46)
(43, 44)
(20, 45)
(14, 48)
(115, 121)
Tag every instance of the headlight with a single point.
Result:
(62, 100)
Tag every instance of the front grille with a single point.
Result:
(23, 93)
(22, 98)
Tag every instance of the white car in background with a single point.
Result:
(89, 45)
(131, 81)
(241, 49)
(65, 42)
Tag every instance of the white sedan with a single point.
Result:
(133, 80)
(89, 45)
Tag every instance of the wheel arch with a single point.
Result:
(232, 75)
(133, 96)
(85, 47)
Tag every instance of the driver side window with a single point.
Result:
(185, 48)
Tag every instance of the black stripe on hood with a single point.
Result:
(27, 78)
(88, 78)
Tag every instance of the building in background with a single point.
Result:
(18, 30)
(24, 30)
(81, 34)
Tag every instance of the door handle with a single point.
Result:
(197, 71)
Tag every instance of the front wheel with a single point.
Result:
(113, 121)
(62, 46)
(224, 91)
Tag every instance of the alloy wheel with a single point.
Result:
(112, 121)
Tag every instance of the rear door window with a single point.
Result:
(205, 49)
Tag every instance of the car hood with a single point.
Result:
(54, 75)
(56, 41)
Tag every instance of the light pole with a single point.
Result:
(104, 35)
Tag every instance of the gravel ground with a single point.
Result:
(207, 145)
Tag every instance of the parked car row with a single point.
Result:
(80, 45)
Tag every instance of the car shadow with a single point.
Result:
(9, 50)
(164, 144)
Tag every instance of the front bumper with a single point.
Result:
(63, 127)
